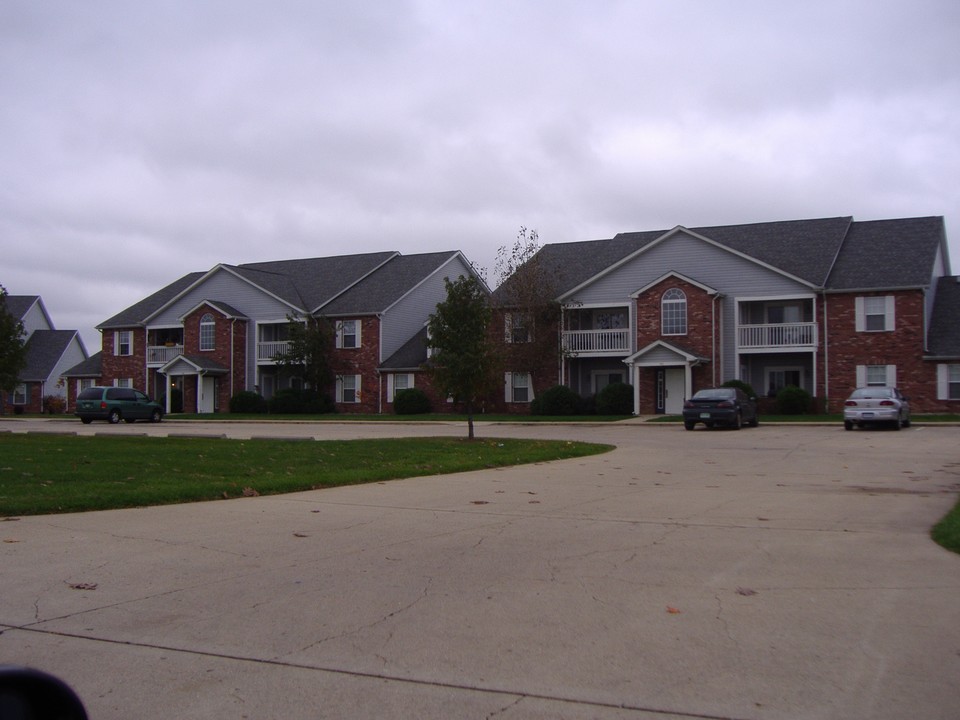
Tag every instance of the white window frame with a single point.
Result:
(948, 378)
(889, 372)
(511, 387)
(19, 394)
(862, 317)
(674, 303)
(208, 333)
(393, 387)
(344, 392)
(83, 384)
(342, 334)
(118, 336)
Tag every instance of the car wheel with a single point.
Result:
(114, 417)
(156, 416)
(688, 425)
(898, 423)
(86, 421)
(737, 421)
(847, 425)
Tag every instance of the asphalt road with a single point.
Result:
(777, 572)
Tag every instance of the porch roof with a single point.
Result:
(682, 355)
(193, 365)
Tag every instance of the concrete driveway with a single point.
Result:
(778, 572)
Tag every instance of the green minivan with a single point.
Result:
(114, 404)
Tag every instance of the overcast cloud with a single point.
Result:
(141, 141)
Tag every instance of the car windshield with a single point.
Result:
(871, 393)
(714, 394)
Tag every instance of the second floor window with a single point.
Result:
(348, 334)
(875, 313)
(673, 312)
(208, 334)
(123, 342)
(517, 328)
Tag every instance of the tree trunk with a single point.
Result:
(470, 420)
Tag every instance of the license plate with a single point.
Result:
(866, 414)
(705, 416)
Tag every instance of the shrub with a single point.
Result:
(411, 401)
(792, 400)
(300, 402)
(615, 399)
(746, 387)
(248, 401)
(558, 400)
(54, 405)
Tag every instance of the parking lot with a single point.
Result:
(775, 572)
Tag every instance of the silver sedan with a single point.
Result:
(869, 405)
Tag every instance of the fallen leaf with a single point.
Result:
(533, 502)
(479, 502)
(82, 586)
(746, 591)
(300, 535)
(10, 519)
(250, 492)
(10, 540)
(672, 610)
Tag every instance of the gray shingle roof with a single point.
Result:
(885, 254)
(44, 350)
(388, 284)
(18, 305)
(135, 314)
(91, 367)
(945, 320)
(836, 253)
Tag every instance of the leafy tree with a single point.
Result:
(463, 363)
(528, 285)
(309, 352)
(13, 352)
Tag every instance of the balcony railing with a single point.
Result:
(778, 335)
(267, 351)
(162, 354)
(596, 341)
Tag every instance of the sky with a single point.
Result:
(141, 141)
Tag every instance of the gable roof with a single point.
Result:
(411, 355)
(19, 305)
(887, 254)
(44, 350)
(387, 284)
(139, 311)
(944, 329)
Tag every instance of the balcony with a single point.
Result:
(162, 354)
(777, 336)
(598, 342)
(268, 351)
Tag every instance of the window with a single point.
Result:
(779, 377)
(397, 382)
(517, 328)
(876, 375)
(123, 342)
(602, 378)
(875, 314)
(948, 382)
(83, 384)
(348, 334)
(518, 388)
(123, 382)
(20, 394)
(673, 312)
(208, 332)
(348, 388)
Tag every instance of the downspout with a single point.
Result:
(713, 337)
(233, 324)
(379, 392)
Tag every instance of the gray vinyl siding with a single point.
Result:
(733, 276)
(662, 355)
(34, 319)
(406, 318)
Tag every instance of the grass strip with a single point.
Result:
(52, 474)
(947, 531)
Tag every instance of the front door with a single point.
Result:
(674, 383)
(208, 389)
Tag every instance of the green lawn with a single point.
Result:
(947, 531)
(54, 473)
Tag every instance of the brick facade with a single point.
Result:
(133, 366)
(362, 361)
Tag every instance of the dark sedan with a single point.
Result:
(720, 406)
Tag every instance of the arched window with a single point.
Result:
(208, 335)
(673, 312)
